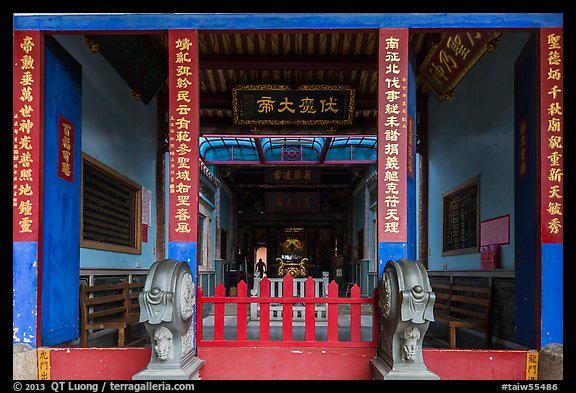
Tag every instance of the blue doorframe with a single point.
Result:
(151, 22)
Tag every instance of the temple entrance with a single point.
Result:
(305, 228)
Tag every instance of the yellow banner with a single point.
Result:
(43, 364)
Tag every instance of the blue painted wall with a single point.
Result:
(121, 133)
(187, 252)
(24, 293)
(552, 300)
(61, 199)
(474, 135)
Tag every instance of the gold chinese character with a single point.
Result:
(554, 91)
(554, 74)
(392, 214)
(183, 71)
(392, 162)
(183, 83)
(26, 159)
(182, 57)
(392, 95)
(182, 228)
(554, 124)
(555, 158)
(183, 200)
(329, 105)
(554, 109)
(391, 200)
(392, 188)
(391, 121)
(391, 227)
(455, 43)
(26, 79)
(554, 225)
(554, 41)
(391, 135)
(265, 104)
(555, 142)
(25, 225)
(182, 188)
(183, 44)
(25, 142)
(554, 208)
(182, 214)
(391, 148)
(307, 105)
(25, 208)
(554, 192)
(392, 69)
(183, 109)
(27, 44)
(183, 149)
(66, 143)
(555, 174)
(392, 43)
(26, 110)
(27, 62)
(26, 94)
(182, 95)
(66, 168)
(286, 105)
(392, 108)
(183, 162)
(554, 58)
(392, 56)
(391, 176)
(183, 175)
(182, 122)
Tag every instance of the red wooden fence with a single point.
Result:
(287, 301)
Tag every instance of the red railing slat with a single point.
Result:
(310, 311)
(220, 292)
(241, 312)
(265, 310)
(332, 312)
(287, 290)
(355, 315)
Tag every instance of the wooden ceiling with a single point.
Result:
(229, 58)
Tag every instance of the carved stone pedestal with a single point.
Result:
(405, 304)
(166, 308)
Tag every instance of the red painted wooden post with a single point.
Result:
(265, 310)
(287, 289)
(333, 312)
(241, 312)
(355, 315)
(310, 313)
(199, 318)
(220, 292)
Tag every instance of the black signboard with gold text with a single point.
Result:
(279, 104)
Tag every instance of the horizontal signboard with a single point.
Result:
(307, 105)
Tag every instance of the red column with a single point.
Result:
(183, 135)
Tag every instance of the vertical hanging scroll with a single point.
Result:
(26, 135)
(183, 135)
(551, 134)
(392, 135)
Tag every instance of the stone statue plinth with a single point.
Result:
(406, 305)
(166, 308)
